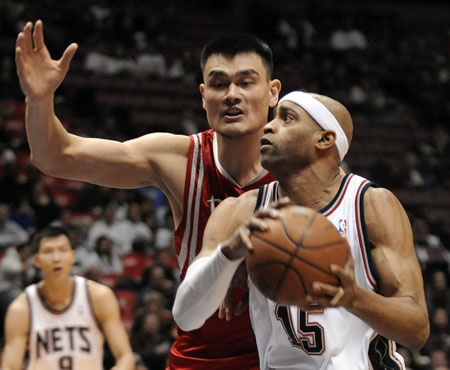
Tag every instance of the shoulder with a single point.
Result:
(18, 315)
(20, 305)
(385, 216)
(98, 291)
(104, 301)
(380, 201)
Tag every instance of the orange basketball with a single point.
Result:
(296, 250)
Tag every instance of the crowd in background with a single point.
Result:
(390, 73)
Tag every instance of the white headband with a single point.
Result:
(321, 115)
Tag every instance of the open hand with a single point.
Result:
(39, 74)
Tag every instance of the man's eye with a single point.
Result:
(217, 85)
(245, 83)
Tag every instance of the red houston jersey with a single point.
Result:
(218, 344)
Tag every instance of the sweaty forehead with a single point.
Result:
(227, 65)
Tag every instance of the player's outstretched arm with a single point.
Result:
(16, 334)
(399, 312)
(136, 163)
(107, 312)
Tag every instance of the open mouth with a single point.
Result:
(232, 113)
(265, 143)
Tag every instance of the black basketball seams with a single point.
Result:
(295, 256)
(262, 285)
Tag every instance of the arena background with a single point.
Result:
(137, 71)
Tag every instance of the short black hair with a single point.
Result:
(49, 232)
(231, 45)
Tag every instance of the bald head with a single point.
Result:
(328, 114)
(339, 112)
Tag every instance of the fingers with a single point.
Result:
(241, 305)
(282, 202)
(225, 308)
(27, 46)
(337, 297)
(268, 212)
(38, 35)
(67, 56)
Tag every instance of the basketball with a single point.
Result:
(296, 250)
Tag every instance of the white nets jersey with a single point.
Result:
(70, 339)
(330, 339)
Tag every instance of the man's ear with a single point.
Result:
(36, 261)
(202, 90)
(275, 88)
(326, 140)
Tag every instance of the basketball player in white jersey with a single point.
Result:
(63, 319)
(380, 300)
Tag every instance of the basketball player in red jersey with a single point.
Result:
(195, 173)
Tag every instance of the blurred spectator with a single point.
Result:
(439, 359)
(16, 269)
(15, 273)
(188, 123)
(11, 233)
(153, 302)
(439, 330)
(105, 225)
(164, 233)
(429, 248)
(44, 206)
(130, 229)
(437, 291)
(100, 61)
(104, 257)
(348, 37)
(122, 199)
(157, 278)
(149, 60)
(148, 340)
(24, 215)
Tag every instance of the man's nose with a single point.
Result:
(233, 94)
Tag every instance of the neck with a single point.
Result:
(311, 188)
(57, 293)
(240, 156)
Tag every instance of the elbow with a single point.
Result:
(422, 337)
(42, 165)
(419, 337)
(45, 165)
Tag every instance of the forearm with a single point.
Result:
(46, 135)
(203, 289)
(397, 318)
(125, 362)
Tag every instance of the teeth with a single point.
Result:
(233, 112)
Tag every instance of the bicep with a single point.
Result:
(390, 234)
(134, 163)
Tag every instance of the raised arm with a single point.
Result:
(107, 312)
(16, 334)
(399, 312)
(155, 159)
